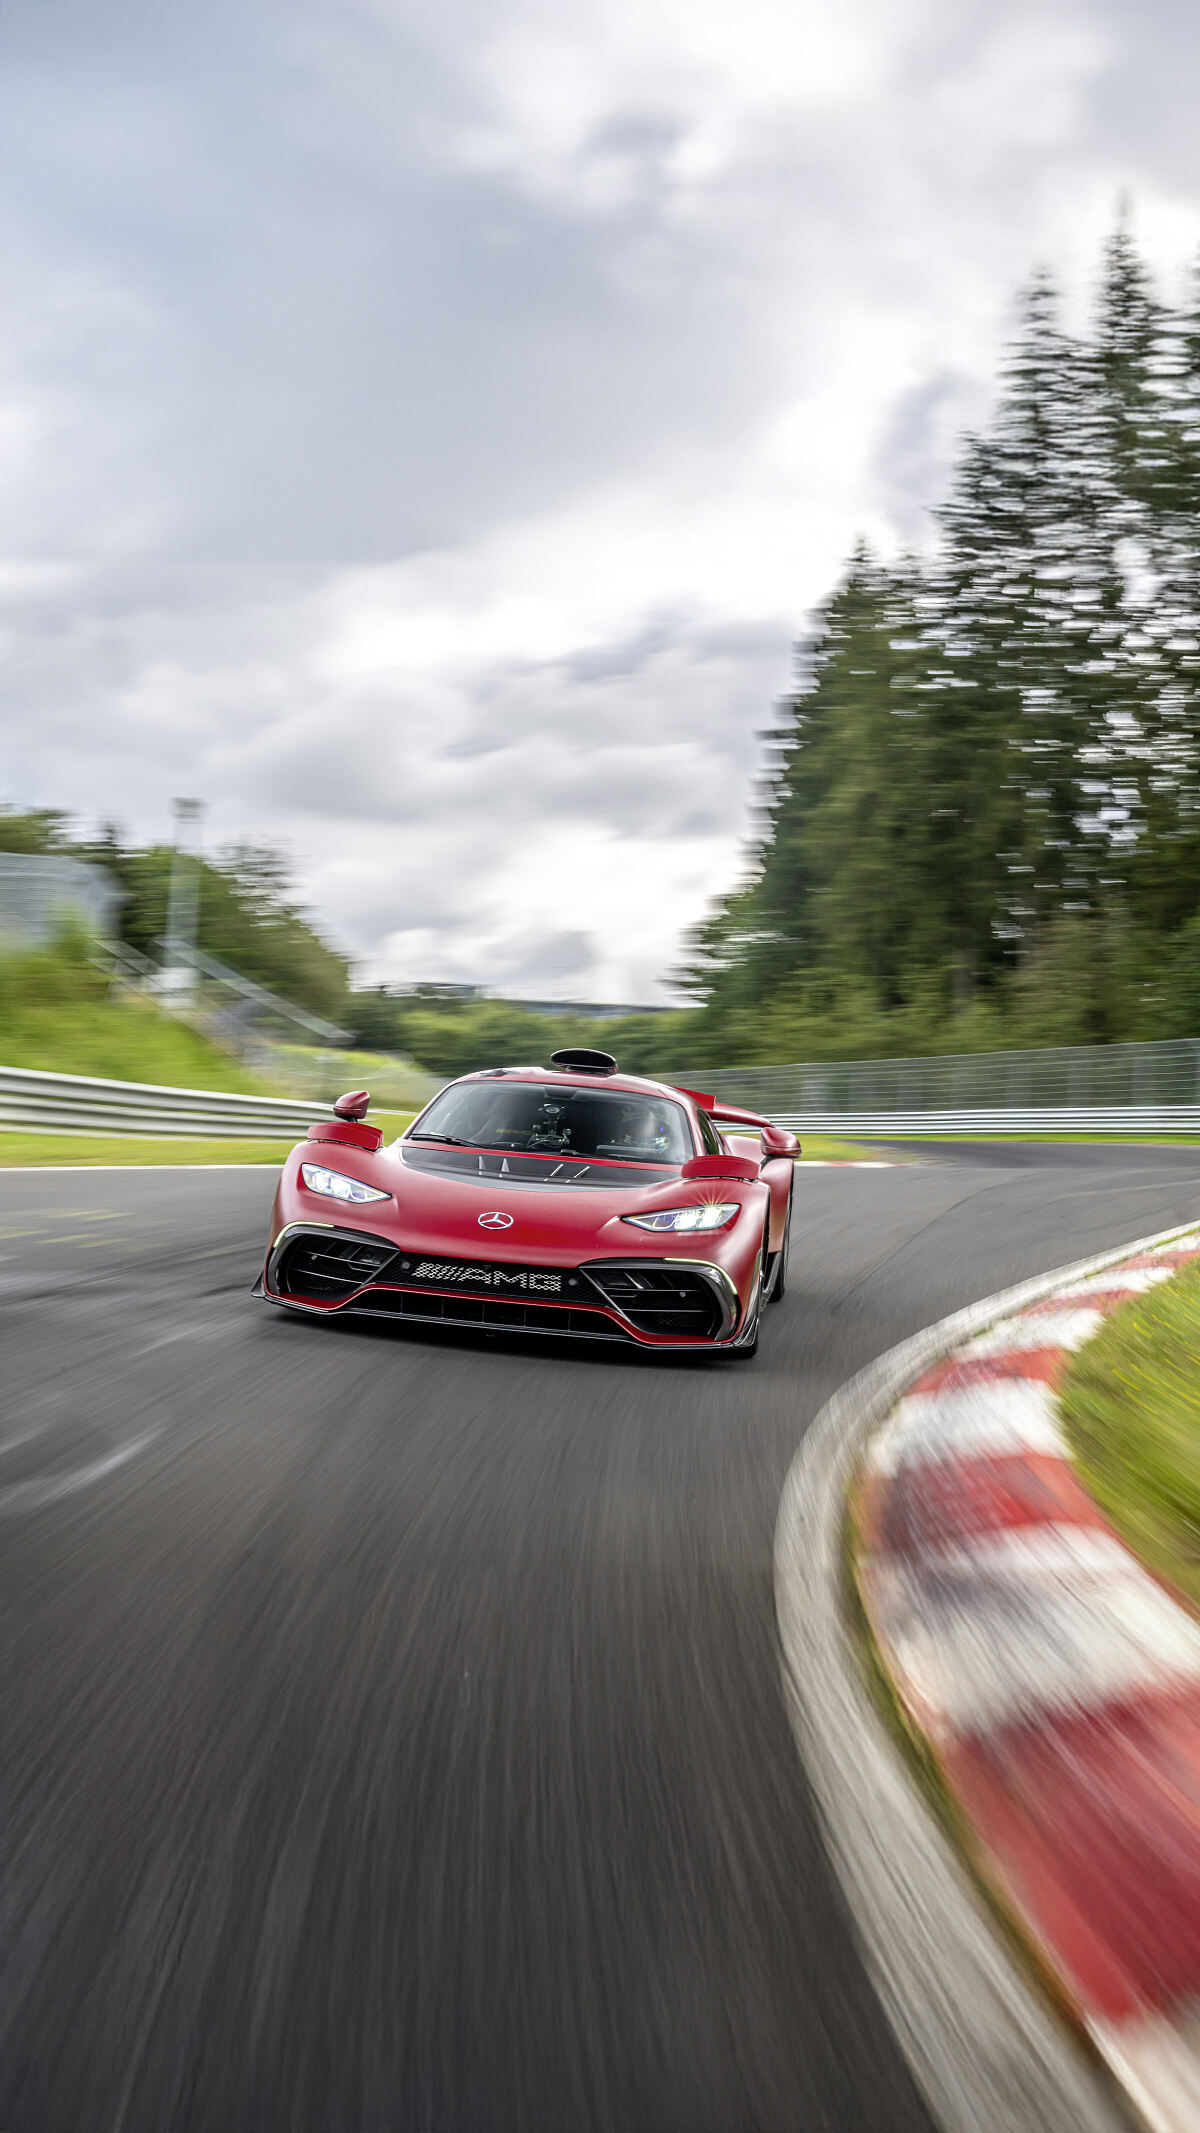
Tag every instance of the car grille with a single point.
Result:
(662, 1299)
(497, 1314)
(327, 1267)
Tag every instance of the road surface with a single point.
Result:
(392, 1735)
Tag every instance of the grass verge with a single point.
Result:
(40, 1151)
(1130, 1403)
(823, 1148)
(118, 1040)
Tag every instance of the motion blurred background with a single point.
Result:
(666, 524)
(681, 507)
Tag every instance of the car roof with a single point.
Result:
(551, 1077)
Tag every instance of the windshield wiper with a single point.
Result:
(451, 1139)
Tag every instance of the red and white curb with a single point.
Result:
(1056, 1681)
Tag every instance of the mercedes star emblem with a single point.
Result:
(495, 1221)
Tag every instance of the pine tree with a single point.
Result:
(1023, 583)
(990, 767)
(1164, 864)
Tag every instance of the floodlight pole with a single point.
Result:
(183, 902)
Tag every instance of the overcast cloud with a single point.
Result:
(423, 430)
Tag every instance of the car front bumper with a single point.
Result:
(324, 1270)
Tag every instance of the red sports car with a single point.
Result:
(569, 1200)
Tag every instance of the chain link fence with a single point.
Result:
(1105, 1088)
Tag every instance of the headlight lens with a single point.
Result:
(712, 1215)
(333, 1186)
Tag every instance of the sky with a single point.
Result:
(425, 429)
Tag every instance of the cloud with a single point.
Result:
(423, 430)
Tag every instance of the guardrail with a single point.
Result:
(1082, 1078)
(1129, 1119)
(34, 1102)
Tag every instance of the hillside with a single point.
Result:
(55, 1015)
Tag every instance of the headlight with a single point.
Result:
(715, 1215)
(334, 1186)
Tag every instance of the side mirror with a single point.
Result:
(702, 1167)
(776, 1140)
(355, 1105)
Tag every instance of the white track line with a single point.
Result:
(80, 1170)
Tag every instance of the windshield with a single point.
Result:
(533, 1119)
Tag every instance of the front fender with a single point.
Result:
(778, 1175)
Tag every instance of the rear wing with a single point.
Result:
(731, 1115)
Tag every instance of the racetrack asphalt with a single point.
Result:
(391, 1736)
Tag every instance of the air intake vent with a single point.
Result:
(328, 1267)
(581, 1062)
(674, 1300)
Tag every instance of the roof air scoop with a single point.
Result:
(572, 1062)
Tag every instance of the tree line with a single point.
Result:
(246, 914)
(979, 823)
(248, 917)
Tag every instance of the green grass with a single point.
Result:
(1130, 1402)
(824, 1148)
(61, 1012)
(33, 1151)
(118, 1040)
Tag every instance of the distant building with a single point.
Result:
(426, 989)
(39, 890)
(587, 1010)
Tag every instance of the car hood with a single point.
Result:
(437, 1207)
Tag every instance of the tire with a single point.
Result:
(779, 1279)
